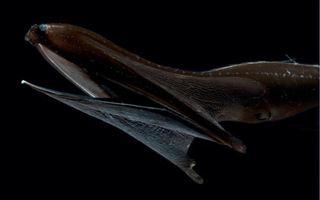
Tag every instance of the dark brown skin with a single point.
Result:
(249, 92)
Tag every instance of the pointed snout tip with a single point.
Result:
(32, 35)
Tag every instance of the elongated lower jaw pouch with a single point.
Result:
(189, 104)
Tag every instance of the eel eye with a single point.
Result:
(43, 27)
(261, 116)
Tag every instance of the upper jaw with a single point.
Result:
(32, 35)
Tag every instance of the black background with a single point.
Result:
(53, 150)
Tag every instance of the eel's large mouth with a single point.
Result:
(99, 88)
(67, 49)
(71, 71)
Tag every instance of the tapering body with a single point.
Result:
(247, 92)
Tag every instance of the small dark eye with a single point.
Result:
(261, 116)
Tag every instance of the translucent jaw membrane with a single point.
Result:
(192, 104)
(73, 73)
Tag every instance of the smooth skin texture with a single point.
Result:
(248, 92)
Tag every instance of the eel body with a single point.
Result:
(248, 92)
